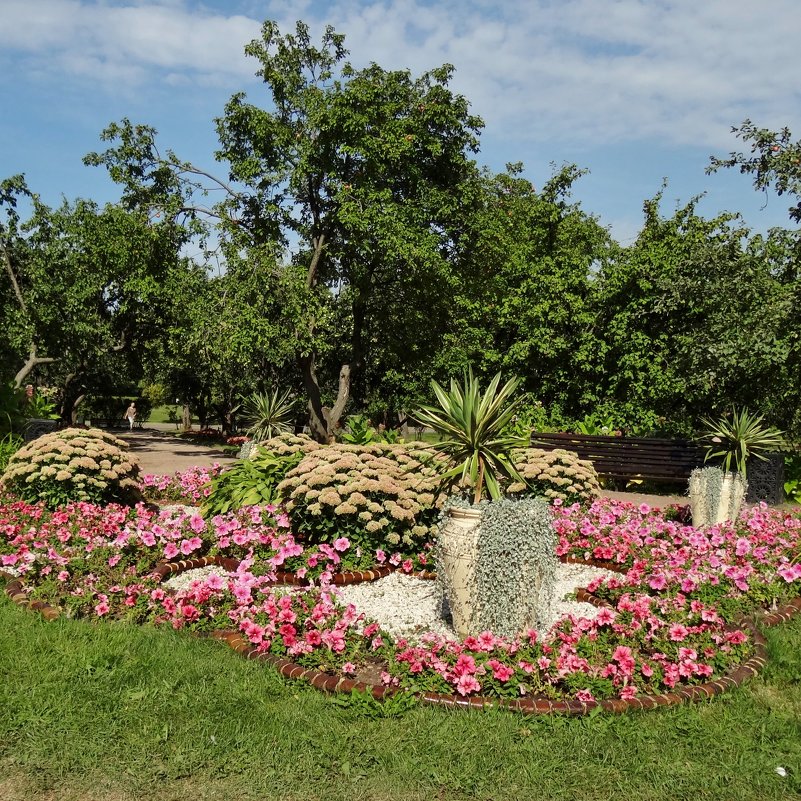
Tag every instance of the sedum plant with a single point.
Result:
(268, 414)
(376, 495)
(74, 464)
(554, 474)
(737, 439)
(471, 424)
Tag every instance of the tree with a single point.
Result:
(85, 287)
(694, 320)
(356, 171)
(525, 267)
(363, 167)
(774, 162)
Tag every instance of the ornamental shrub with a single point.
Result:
(73, 465)
(376, 495)
(555, 474)
(287, 444)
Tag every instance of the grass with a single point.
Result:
(111, 712)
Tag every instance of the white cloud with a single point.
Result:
(602, 71)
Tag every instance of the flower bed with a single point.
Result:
(672, 627)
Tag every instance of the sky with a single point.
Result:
(634, 91)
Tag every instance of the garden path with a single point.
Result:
(161, 453)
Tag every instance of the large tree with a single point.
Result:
(356, 172)
(524, 275)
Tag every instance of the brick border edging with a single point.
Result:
(528, 706)
(284, 577)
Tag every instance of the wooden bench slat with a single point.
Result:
(628, 457)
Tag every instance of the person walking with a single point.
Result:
(130, 414)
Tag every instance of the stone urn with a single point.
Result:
(458, 549)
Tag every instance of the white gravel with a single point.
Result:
(405, 606)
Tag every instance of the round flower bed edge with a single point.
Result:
(331, 683)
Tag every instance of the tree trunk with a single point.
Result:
(186, 417)
(322, 421)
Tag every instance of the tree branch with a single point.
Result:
(32, 361)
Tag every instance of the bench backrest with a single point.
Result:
(629, 457)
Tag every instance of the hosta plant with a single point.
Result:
(472, 424)
(73, 465)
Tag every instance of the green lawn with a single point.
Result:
(92, 711)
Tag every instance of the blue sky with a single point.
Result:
(633, 90)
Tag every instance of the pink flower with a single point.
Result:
(349, 668)
(677, 632)
(342, 544)
(170, 550)
(467, 684)
(380, 556)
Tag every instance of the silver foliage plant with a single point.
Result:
(515, 567)
(707, 482)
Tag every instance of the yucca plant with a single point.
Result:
(737, 439)
(472, 423)
(268, 414)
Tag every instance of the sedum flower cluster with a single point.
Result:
(377, 495)
(555, 474)
(73, 465)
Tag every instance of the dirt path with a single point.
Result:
(162, 453)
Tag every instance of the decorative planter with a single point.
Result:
(715, 496)
(458, 547)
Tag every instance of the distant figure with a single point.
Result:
(130, 414)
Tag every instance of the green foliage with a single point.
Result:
(156, 394)
(738, 438)
(473, 424)
(12, 400)
(73, 465)
(596, 424)
(774, 162)
(521, 291)
(555, 474)
(365, 705)
(249, 482)
(792, 474)
(359, 431)
(40, 406)
(9, 445)
(268, 414)
(694, 311)
(376, 495)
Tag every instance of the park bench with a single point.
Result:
(634, 458)
(628, 458)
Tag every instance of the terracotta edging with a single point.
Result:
(528, 706)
